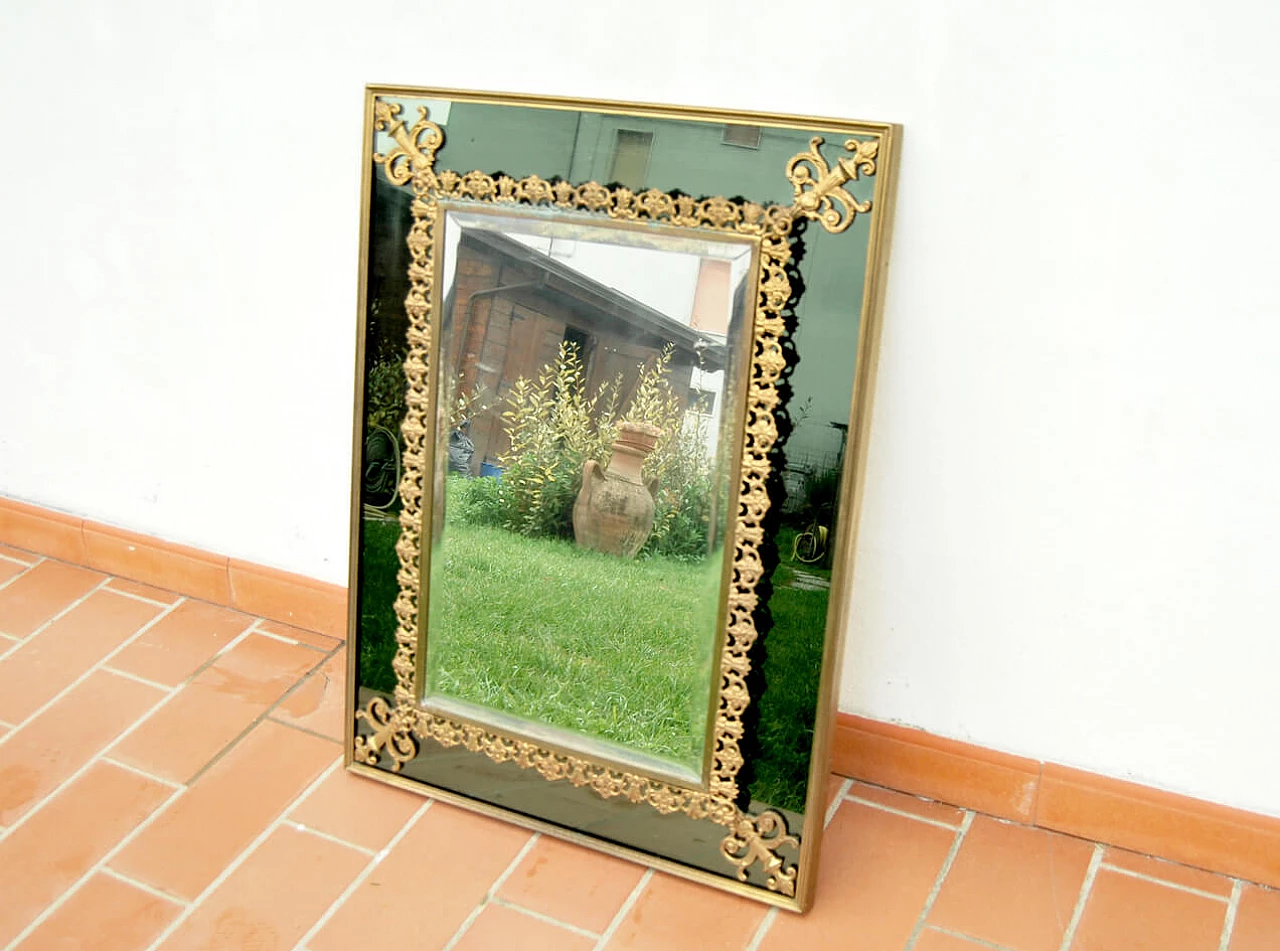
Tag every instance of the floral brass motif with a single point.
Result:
(397, 729)
(819, 189)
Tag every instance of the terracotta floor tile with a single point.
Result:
(924, 808)
(319, 641)
(450, 855)
(271, 900)
(571, 884)
(106, 914)
(503, 929)
(1013, 885)
(227, 808)
(357, 810)
(931, 940)
(41, 593)
(10, 569)
(1169, 871)
(42, 858)
(319, 704)
(46, 664)
(675, 915)
(143, 590)
(1127, 914)
(64, 737)
(17, 554)
(877, 870)
(181, 641)
(215, 708)
(1257, 925)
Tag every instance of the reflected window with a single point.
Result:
(702, 402)
(631, 158)
(743, 136)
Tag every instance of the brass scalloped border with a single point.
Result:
(396, 730)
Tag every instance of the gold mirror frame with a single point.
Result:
(391, 731)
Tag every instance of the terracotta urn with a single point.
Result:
(614, 510)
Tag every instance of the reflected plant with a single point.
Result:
(555, 426)
(384, 400)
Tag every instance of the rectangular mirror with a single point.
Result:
(588, 397)
(611, 409)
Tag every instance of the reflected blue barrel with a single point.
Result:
(489, 471)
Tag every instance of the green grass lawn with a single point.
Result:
(607, 647)
(794, 645)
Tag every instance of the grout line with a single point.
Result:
(25, 568)
(280, 637)
(624, 910)
(16, 561)
(1086, 887)
(1229, 922)
(136, 679)
(65, 611)
(331, 838)
(265, 713)
(539, 916)
(907, 815)
(138, 597)
(765, 924)
(301, 797)
(100, 864)
(103, 758)
(493, 890)
(364, 874)
(941, 877)
(1167, 884)
(835, 802)
(226, 648)
(231, 867)
(143, 886)
(980, 942)
(303, 729)
(89, 673)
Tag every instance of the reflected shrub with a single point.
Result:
(554, 426)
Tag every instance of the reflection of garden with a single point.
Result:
(541, 629)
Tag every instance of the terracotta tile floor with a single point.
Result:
(170, 777)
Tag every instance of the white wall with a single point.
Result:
(1069, 540)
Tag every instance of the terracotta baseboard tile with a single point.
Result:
(916, 762)
(153, 561)
(1127, 815)
(42, 530)
(291, 599)
(1192, 831)
(254, 589)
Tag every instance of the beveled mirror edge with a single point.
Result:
(887, 135)
(737, 399)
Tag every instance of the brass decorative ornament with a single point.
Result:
(387, 734)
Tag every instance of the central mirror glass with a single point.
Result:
(589, 391)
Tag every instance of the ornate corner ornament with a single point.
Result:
(819, 188)
(395, 730)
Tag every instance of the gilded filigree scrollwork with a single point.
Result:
(395, 728)
(757, 839)
(819, 189)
